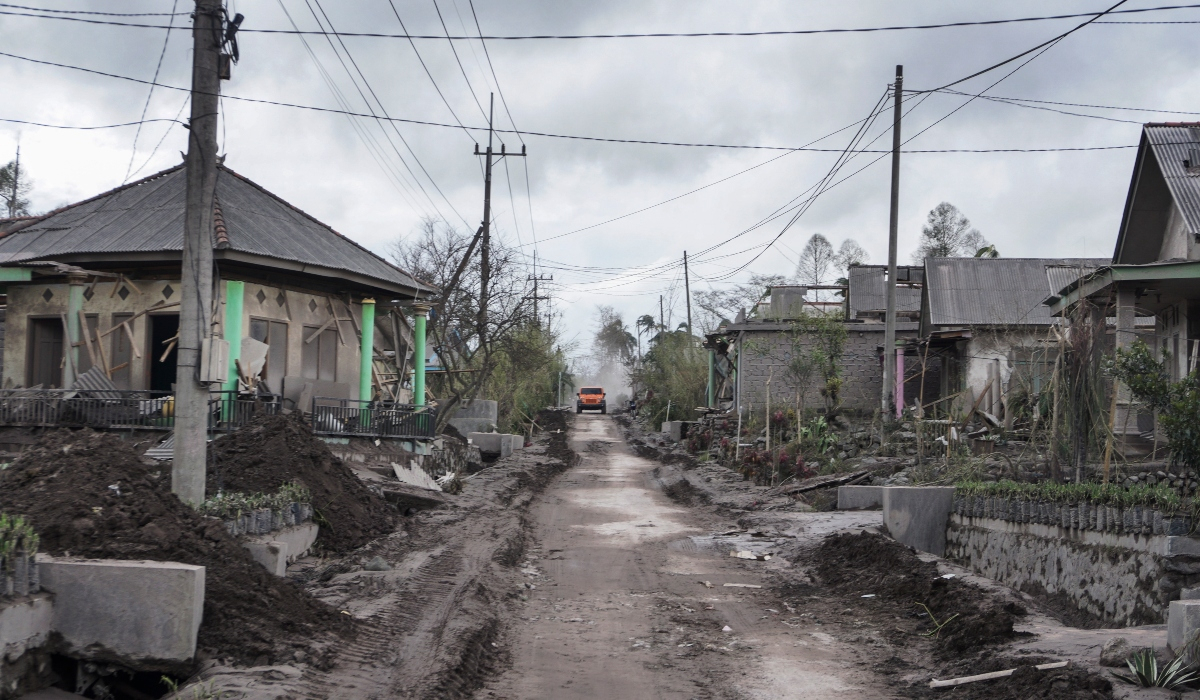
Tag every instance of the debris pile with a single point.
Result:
(275, 450)
(90, 495)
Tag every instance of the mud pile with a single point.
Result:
(867, 563)
(90, 495)
(273, 450)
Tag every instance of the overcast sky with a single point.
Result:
(756, 91)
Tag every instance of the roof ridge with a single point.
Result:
(310, 217)
(115, 190)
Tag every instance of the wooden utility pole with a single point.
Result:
(889, 332)
(195, 307)
(662, 320)
(485, 254)
(687, 292)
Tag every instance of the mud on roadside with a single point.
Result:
(432, 623)
(906, 623)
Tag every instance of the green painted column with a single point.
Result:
(235, 293)
(421, 312)
(712, 378)
(367, 350)
(74, 331)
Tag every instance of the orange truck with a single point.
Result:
(590, 398)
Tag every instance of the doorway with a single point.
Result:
(162, 356)
(45, 352)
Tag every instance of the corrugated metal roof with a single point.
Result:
(148, 217)
(868, 289)
(993, 291)
(1059, 277)
(1172, 145)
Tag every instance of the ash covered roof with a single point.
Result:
(147, 216)
(867, 292)
(996, 291)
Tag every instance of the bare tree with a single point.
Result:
(948, 234)
(850, 253)
(436, 255)
(816, 260)
(15, 187)
(716, 306)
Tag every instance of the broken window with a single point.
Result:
(318, 359)
(274, 334)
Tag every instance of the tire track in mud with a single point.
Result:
(437, 631)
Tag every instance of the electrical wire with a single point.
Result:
(172, 13)
(458, 60)
(90, 128)
(150, 93)
(576, 137)
(428, 73)
(187, 99)
(658, 35)
(383, 109)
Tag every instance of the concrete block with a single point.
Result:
(492, 444)
(917, 516)
(126, 611)
(25, 624)
(1189, 594)
(272, 555)
(860, 497)
(674, 428)
(275, 550)
(1183, 621)
(516, 442)
(478, 416)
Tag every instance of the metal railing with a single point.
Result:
(349, 417)
(123, 409)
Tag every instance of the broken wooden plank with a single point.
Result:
(819, 482)
(87, 338)
(989, 676)
(317, 332)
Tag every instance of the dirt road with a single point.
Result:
(630, 596)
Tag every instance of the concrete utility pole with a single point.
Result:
(888, 401)
(191, 397)
(687, 292)
(485, 254)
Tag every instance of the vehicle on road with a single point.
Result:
(590, 398)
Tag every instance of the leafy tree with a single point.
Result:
(15, 187)
(672, 372)
(1177, 403)
(613, 344)
(988, 251)
(948, 234)
(815, 348)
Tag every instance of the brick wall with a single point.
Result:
(768, 351)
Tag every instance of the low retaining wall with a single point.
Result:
(915, 516)
(1128, 579)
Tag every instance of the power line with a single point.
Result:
(172, 13)
(150, 94)
(162, 138)
(573, 137)
(90, 128)
(1045, 44)
(650, 35)
(428, 73)
(458, 60)
(1077, 104)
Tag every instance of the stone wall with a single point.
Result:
(1126, 579)
(768, 350)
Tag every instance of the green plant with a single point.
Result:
(200, 691)
(1146, 673)
(815, 437)
(1177, 403)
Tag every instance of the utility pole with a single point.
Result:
(195, 302)
(662, 320)
(889, 399)
(535, 278)
(485, 254)
(687, 292)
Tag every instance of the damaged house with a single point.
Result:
(764, 352)
(93, 311)
(986, 328)
(1154, 279)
